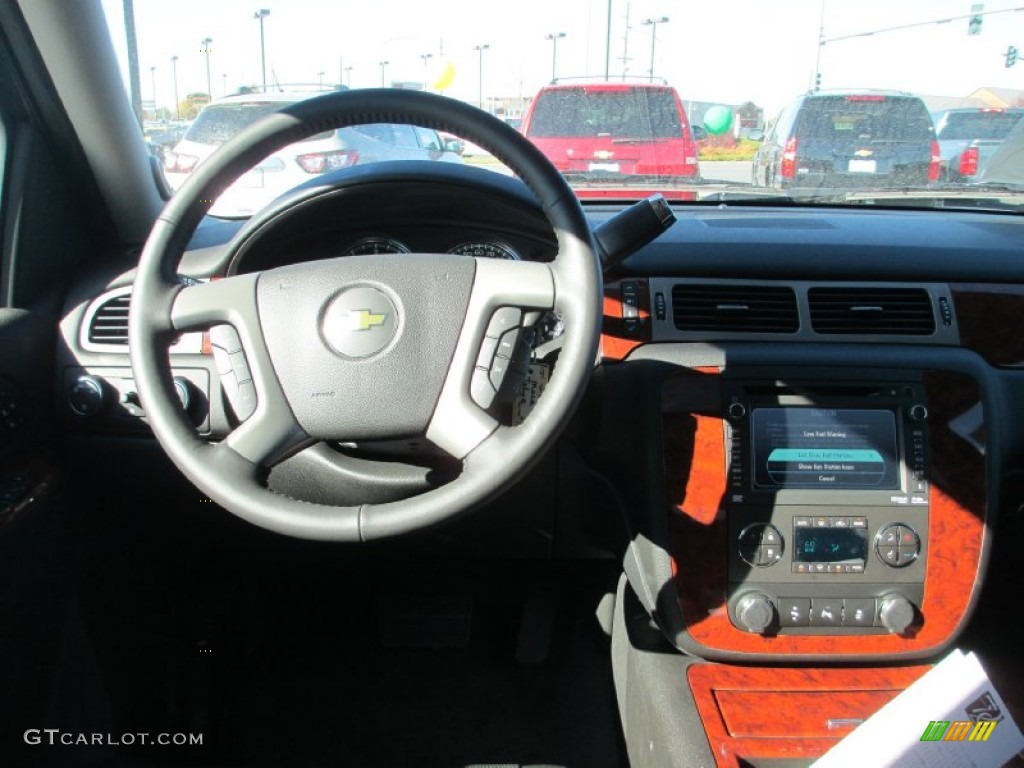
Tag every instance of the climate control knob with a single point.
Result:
(896, 613)
(755, 612)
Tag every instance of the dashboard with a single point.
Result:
(808, 412)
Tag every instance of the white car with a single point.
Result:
(296, 163)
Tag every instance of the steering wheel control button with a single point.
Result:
(502, 320)
(360, 322)
(507, 343)
(481, 389)
(498, 370)
(761, 545)
(225, 337)
(897, 545)
(487, 350)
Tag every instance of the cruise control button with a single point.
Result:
(246, 403)
(240, 366)
(502, 320)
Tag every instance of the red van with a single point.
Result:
(613, 130)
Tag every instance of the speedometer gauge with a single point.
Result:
(371, 245)
(490, 249)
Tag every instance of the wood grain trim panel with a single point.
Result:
(759, 713)
(698, 534)
(616, 342)
(988, 318)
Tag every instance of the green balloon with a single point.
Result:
(718, 120)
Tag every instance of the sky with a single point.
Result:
(765, 51)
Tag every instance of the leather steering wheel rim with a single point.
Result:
(231, 472)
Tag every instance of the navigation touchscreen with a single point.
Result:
(825, 448)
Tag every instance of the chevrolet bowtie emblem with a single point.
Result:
(363, 320)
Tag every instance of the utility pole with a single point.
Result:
(152, 75)
(383, 81)
(625, 44)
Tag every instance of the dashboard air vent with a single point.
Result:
(734, 308)
(881, 311)
(109, 324)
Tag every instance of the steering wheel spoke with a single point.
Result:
(483, 355)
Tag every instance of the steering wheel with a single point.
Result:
(363, 347)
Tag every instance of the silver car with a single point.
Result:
(298, 162)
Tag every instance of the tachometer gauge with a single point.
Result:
(490, 249)
(370, 245)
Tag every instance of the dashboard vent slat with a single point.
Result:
(734, 308)
(879, 311)
(109, 324)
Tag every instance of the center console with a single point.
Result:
(827, 502)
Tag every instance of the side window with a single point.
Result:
(428, 138)
(404, 136)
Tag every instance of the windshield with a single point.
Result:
(967, 126)
(837, 102)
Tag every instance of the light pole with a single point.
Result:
(152, 76)
(383, 81)
(224, 84)
(261, 14)
(426, 57)
(654, 30)
(348, 76)
(174, 67)
(206, 48)
(480, 72)
(554, 38)
(321, 76)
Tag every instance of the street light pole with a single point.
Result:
(480, 72)
(653, 23)
(261, 14)
(174, 67)
(426, 57)
(152, 75)
(383, 80)
(348, 75)
(554, 38)
(206, 48)
(224, 84)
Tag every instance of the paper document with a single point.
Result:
(952, 717)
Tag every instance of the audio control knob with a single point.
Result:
(896, 613)
(737, 411)
(918, 412)
(755, 612)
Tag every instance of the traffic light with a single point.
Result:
(817, 81)
(974, 23)
(1011, 56)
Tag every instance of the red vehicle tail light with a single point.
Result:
(177, 163)
(788, 168)
(969, 161)
(321, 162)
(935, 166)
